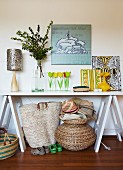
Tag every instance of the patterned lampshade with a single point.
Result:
(14, 60)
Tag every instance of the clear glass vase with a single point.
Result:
(66, 83)
(60, 83)
(38, 79)
(50, 83)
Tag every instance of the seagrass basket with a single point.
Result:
(75, 137)
(40, 122)
(8, 144)
(77, 121)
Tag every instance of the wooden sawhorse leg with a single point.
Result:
(18, 128)
(106, 104)
(117, 118)
(3, 109)
(12, 102)
(101, 121)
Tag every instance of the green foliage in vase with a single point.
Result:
(34, 43)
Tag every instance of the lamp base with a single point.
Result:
(14, 84)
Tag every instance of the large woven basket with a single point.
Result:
(77, 121)
(75, 137)
(8, 145)
(40, 122)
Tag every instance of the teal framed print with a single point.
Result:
(71, 44)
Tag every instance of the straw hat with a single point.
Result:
(69, 107)
(81, 106)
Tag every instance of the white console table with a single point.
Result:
(108, 102)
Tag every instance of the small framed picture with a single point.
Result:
(109, 64)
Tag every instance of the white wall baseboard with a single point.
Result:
(108, 132)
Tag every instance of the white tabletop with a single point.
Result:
(60, 93)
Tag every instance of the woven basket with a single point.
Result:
(77, 121)
(8, 144)
(75, 137)
(40, 122)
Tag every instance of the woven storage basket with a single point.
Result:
(40, 122)
(75, 137)
(77, 121)
(8, 144)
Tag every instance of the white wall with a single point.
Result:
(105, 16)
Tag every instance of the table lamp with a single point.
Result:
(14, 63)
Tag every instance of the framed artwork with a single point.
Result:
(71, 44)
(109, 64)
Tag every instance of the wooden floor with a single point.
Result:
(68, 160)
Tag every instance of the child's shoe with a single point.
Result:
(53, 148)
